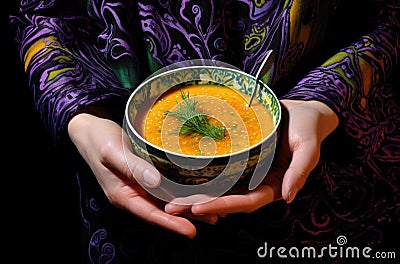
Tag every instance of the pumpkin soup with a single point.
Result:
(205, 120)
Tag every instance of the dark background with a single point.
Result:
(39, 211)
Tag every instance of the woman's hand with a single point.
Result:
(107, 150)
(305, 124)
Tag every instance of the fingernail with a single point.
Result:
(150, 178)
(170, 209)
(291, 195)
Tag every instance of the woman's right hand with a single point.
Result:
(105, 147)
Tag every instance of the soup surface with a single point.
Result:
(244, 126)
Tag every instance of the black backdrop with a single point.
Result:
(39, 211)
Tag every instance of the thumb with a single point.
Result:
(143, 171)
(303, 161)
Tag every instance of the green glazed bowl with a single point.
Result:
(182, 171)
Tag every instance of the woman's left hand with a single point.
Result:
(305, 124)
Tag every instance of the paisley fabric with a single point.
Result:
(343, 53)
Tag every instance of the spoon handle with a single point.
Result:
(262, 70)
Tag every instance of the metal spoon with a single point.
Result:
(259, 172)
(262, 70)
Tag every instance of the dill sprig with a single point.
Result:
(192, 121)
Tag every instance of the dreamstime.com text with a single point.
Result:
(330, 251)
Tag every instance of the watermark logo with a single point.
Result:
(339, 250)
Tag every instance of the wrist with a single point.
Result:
(327, 119)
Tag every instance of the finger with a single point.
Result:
(190, 200)
(173, 208)
(303, 161)
(153, 214)
(274, 180)
(185, 210)
(210, 218)
(142, 171)
(244, 203)
(118, 158)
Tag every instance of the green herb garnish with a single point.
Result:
(192, 121)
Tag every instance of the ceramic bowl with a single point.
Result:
(200, 171)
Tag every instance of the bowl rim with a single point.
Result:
(168, 152)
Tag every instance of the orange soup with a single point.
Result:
(244, 126)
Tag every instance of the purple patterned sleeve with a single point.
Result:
(349, 79)
(58, 60)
